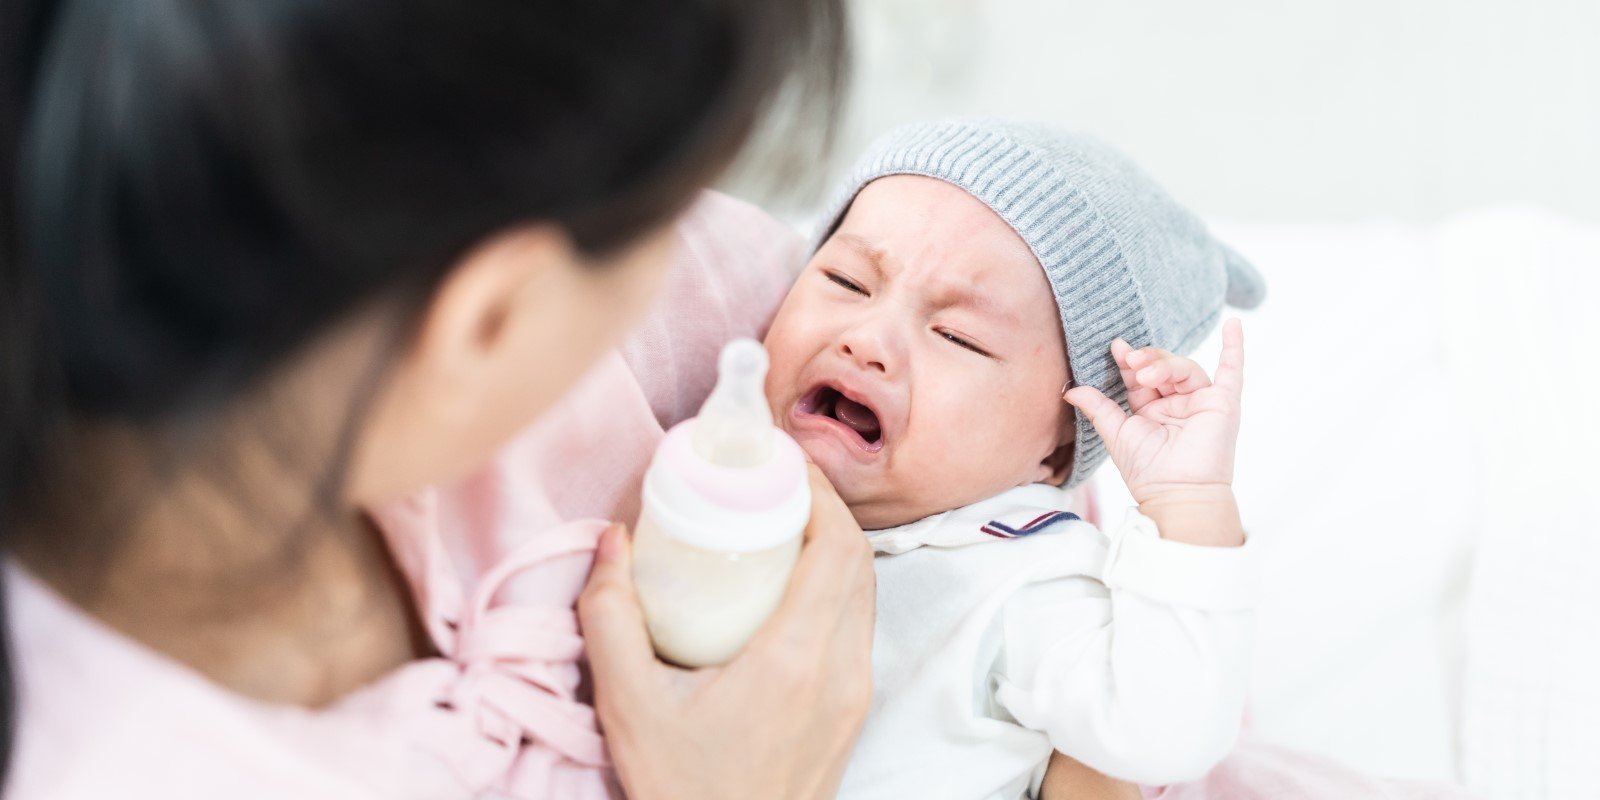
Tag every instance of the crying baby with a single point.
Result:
(993, 309)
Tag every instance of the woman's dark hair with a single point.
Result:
(191, 189)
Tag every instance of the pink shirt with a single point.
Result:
(496, 563)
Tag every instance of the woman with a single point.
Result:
(266, 265)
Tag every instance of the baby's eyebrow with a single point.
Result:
(971, 296)
(872, 253)
(946, 296)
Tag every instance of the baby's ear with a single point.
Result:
(1056, 467)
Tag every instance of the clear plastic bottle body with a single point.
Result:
(700, 605)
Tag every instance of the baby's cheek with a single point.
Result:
(1026, 428)
(968, 441)
(1018, 407)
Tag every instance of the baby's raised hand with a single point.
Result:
(1176, 449)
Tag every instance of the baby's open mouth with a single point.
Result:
(855, 416)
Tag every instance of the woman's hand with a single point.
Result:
(1175, 451)
(780, 719)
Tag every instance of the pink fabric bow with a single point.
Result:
(506, 714)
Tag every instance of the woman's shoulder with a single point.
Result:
(719, 225)
(102, 716)
(734, 264)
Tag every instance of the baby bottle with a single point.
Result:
(724, 505)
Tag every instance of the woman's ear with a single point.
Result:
(474, 312)
(456, 389)
(511, 327)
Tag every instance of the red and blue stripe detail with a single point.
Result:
(1000, 530)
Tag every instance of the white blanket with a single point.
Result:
(1524, 341)
(1416, 395)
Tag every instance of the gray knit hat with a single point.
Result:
(1123, 258)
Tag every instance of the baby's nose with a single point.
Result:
(859, 354)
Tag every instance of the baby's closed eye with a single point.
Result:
(844, 282)
(961, 342)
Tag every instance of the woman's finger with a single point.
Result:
(818, 644)
(850, 651)
(833, 572)
(1230, 367)
(613, 625)
(848, 658)
(855, 625)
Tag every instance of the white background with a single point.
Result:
(1267, 110)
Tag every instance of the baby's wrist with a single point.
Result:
(1201, 514)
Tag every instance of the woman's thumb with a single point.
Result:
(608, 610)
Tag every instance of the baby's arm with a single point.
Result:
(1068, 779)
(1139, 672)
(1155, 692)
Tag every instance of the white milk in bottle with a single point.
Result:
(725, 503)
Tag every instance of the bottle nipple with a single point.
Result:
(734, 428)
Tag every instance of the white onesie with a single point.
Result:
(1010, 628)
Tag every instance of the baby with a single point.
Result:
(972, 277)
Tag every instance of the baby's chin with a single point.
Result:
(855, 483)
(889, 512)
(879, 501)
(863, 489)
(845, 475)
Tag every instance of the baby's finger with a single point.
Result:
(1174, 375)
(1119, 352)
(1103, 412)
(1146, 356)
(1230, 367)
(1138, 395)
(1143, 358)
